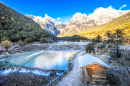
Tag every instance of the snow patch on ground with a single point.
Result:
(125, 47)
(73, 78)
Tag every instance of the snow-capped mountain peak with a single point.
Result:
(100, 16)
(47, 23)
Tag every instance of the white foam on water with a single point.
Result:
(2, 59)
(59, 73)
(6, 72)
(38, 72)
(24, 70)
(34, 54)
(15, 69)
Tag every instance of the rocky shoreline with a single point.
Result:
(23, 76)
(24, 79)
(36, 46)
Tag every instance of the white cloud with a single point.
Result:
(59, 18)
(122, 6)
(100, 15)
(79, 17)
(103, 15)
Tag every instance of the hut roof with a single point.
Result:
(87, 60)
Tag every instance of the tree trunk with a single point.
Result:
(117, 50)
(6, 48)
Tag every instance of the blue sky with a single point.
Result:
(64, 9)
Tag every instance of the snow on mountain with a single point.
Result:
(99, 16)
(47, 23)
(78, 23)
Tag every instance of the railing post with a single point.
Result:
(60, 78)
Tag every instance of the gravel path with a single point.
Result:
(73, 78)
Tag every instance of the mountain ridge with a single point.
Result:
(15, 26)
(122, 22)
(100, 16)
(47, 23)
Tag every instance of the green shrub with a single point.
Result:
(113, 79)
(29, 40)
(4, 38)
(114, 53)
(90, 48)
(101, 46)
(43, 40)
(21, 43)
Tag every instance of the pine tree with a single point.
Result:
(98, 39)
(119, 35)
(108, 34)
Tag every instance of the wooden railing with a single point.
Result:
(52, 83)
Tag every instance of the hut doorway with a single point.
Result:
(85, 75)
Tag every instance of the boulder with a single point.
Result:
(53, 74)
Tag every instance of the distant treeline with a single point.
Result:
(76, 38)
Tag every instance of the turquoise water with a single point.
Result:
(50, 60)
(21, 59)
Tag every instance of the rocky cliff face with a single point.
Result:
(47, 23)
(61, 27)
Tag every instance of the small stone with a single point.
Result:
(30, 82)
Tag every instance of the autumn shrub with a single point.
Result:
(6, 44)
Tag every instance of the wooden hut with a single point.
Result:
(92, 69)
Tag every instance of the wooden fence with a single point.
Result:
(52, 83)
